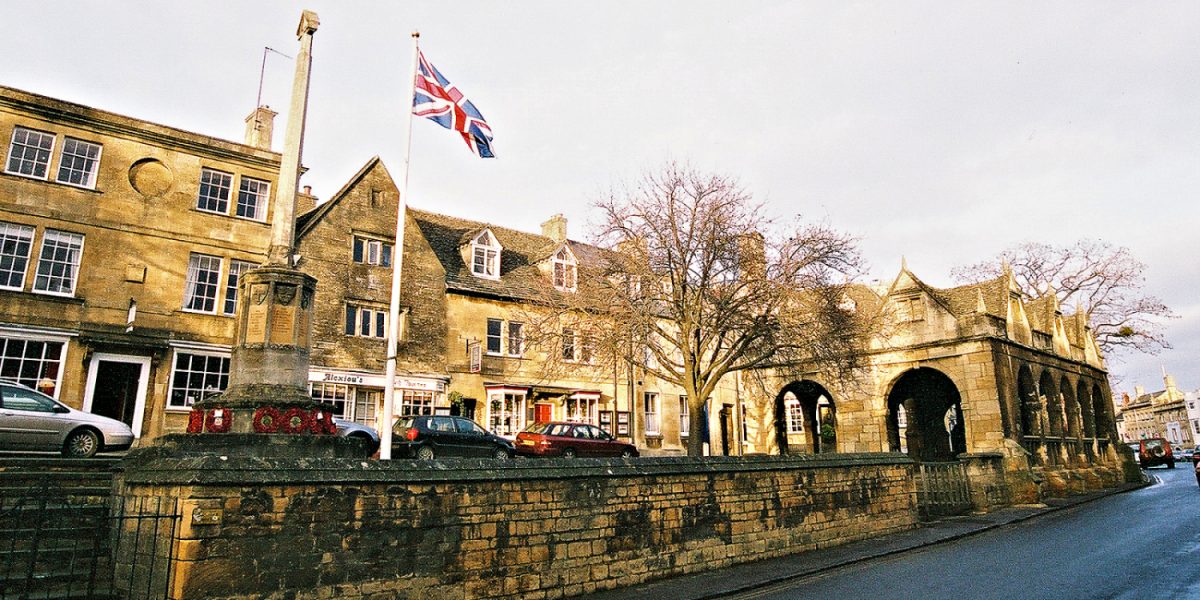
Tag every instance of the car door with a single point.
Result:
(585, 444)
(446, 439)
(605, 445)
(29, 421)
(474, 440)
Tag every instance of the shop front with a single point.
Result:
(358, 396)
(511, 408)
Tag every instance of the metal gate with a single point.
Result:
(942, 489)
(58, 543)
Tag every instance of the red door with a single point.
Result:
(541, 413)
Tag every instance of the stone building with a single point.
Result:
(468, 293)
(1163, 414)
(122, 245)
(975, 372)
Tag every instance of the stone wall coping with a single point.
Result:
(216, 470)
(990, 455)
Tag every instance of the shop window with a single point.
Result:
(366, 402)
(196, 376)
(415, 402)
(35, 363)
(506, 413)
(336, 394)
(582, 410)
(58, 265)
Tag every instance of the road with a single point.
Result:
(1143, 544)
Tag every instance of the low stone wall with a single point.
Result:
(340, 528)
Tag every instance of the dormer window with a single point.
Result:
(564, 270)
(485, 256)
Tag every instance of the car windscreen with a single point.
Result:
(538, 428)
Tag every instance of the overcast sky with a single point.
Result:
(942, 131)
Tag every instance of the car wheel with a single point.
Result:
(501, 454)
(425, 453)
(1170, 464)
(569, 453)
(627, 453)
(82, 443)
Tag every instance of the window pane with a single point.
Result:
(358, 250)
(196, 377)
(214, 191)
(493, 335)
(15, 242)
(59, 262)
(200, 288)
(350, 313)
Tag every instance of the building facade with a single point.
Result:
(1168, 413)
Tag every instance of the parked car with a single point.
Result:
(570, 440)
(1185, 454)
(1155, 451)
(31, 420)
(427, 437)
(351, 429)
(1136, 447)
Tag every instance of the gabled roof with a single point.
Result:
(308, 220)
(519, 275)
(1041, 313)
(964, 300)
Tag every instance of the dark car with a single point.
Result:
(433, 436)
(570, 440)
(1155, 451)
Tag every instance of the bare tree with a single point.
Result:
(695, 282)
(1105, 280)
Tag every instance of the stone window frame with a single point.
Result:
(76, 162)
(195, 290)
(565, 270)
(57, 271)
(26, 157)
(371, 251)
(650, 412)
(16, 248)
(204, 372)
(376, 320)
(485, 256)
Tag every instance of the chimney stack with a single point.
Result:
(259, 127)
(555, 228)
(305, 200)
(1138, 392)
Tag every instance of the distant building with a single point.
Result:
(1164, 413)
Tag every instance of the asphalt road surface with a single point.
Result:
(1143, 544)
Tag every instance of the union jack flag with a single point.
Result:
(438, 100)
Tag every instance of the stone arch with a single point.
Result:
(928, 401)
(1104, 423)
(1027, 398)
(1050, 398)
(1071, 422)
(1086, 411)
(819, 415)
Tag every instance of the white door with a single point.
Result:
(116, 388)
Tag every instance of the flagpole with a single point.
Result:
(389, 392)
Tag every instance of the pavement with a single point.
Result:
(745, 577)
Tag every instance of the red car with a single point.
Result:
(569, 440)
(1155, 451)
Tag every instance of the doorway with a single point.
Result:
(116, 388)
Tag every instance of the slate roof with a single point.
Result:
(520, 277)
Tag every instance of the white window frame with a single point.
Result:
(375, 331)
(486, 245)
(650, 412)
(565, 273)
(16, 235)
(685, 417)
(227, 187)
(37, 160)
(261, 196)
(8, 337)
(794, 413)
(92, 165)
(370, 251)
(416, 402)
(511, 417)
(338, 394)
(192, 283)
(497, 337)
(205, 391)
(60, 237)
(233, 279)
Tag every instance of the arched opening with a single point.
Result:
(1049, 397)
(1086, 411)
(925, 417)
(1102, 409)
(1031, 407)
(805, 417)
(1070, 408)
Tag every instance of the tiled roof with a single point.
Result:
(1041, 313)
(964, 299)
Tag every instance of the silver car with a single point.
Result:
(31, 420)
(351, 429)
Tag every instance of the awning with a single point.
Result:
(505, 388)
(585, 395)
